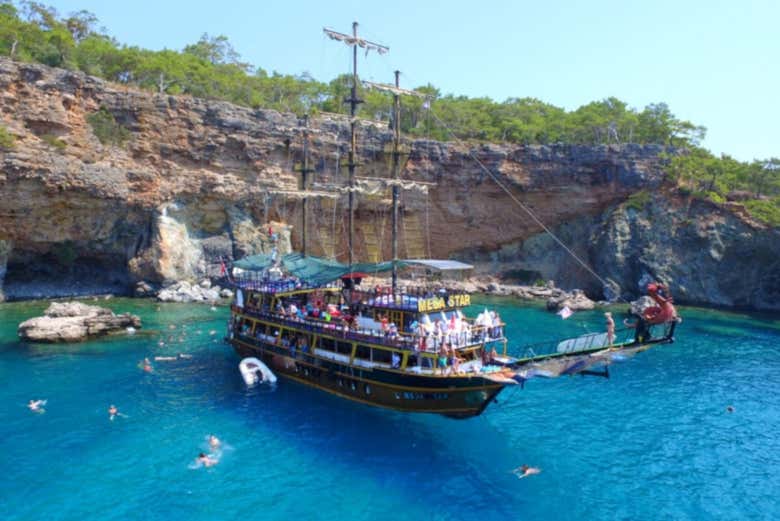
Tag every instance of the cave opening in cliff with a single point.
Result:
(63, 272)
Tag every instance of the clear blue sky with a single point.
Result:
(714, 62)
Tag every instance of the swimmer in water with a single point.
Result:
(206, 461)
(524, 471)
(37, 405)
(146, 365)
(214, 442)
(112, 412)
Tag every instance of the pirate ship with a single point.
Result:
(408, 348)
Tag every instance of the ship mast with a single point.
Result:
(396, 91)
(396, 168)
(353, 101)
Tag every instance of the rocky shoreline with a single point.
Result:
(208, 292)
(555, 298)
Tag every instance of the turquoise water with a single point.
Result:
(653, 442)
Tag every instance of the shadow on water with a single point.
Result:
(418, 455)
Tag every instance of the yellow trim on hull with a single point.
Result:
(379, 382)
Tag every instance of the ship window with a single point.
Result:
(363, 352)
(381, 355)
(344, 348)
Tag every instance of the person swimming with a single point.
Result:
(205, 460)
(146, 365)
(214, 442)
(112, 412)
(524, 471)
(37, 406)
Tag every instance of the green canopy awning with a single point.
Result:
(313, 270)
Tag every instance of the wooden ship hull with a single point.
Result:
(456, 397)
(452, 395)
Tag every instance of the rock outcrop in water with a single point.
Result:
(74, 322)
(201, 181)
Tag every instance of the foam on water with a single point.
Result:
(655, 441)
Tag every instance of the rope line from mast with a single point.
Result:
(524, 207)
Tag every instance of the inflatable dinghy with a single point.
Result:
(253, 371)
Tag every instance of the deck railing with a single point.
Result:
(405, 341)
(594, 341)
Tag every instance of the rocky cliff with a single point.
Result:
(191, 181)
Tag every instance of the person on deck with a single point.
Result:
(442, 359)
(642, 332)
(486, 358)
(384, 325)
(610, 328)
(454, 360)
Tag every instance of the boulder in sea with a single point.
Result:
(183, 291)
(639, 305)
(575, 301)
(73, 322)
(143, 289)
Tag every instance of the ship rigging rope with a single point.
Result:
(524, 207)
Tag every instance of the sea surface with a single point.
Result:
(654, 441)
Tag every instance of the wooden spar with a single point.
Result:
(353, 101)
(396, 165)
(394, 89)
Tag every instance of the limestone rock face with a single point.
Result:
(203, 181)
(74, 322)
(5, 250)
(708, 254)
